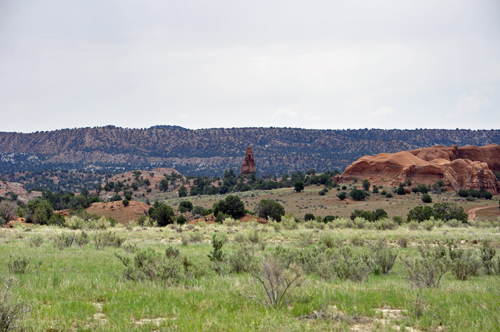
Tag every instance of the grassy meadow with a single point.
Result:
(87, 287)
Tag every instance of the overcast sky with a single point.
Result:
(203, 64)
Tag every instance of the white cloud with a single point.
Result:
(285, 112)
(472, 103)
(381, 112)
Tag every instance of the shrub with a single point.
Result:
(107, 239)
(125, 202)
(329, 218)
(366, 184)
(163, 214)
(115, 198)
(329, 241)
(398, 220)
(348, 265)
(299, 186)
(22, 265)
(7, 212)
(428, 269)
(196, 237)
(305, 239)
(242, 261)
(268, 208)
(487, 255)
(64, 240)
(342, 195)
(468, 264)
(277, 282)
(357, 195)
(181, 220)
(149, 265)
(403, 242)
(82, 239)
(185, 206)
(426, 198)
(385, 224)
(185, 239)
(309, 216)
(11, 313)
(428, 225)
(413, 225)
(38, 211)
(389, 195)
(381, 259)
(36, 241)
(232, 206)
(217, 256)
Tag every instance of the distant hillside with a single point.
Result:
(210, 151)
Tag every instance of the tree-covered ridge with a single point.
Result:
(209, 151)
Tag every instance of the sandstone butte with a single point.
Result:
(248, 166)
(468, 167)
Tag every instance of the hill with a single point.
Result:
(211, 151)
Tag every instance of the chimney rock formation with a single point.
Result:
(248, 166)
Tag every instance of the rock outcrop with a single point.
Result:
(248, 166)
(468, 167)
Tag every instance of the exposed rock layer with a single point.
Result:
(248, 166)
(468, 167)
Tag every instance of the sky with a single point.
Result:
(211, 64)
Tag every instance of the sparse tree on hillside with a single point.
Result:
(299, 186)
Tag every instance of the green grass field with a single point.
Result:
(83, 289)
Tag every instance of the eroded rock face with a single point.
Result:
(469, 167)
(248, 166)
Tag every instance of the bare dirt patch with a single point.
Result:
(118, 211)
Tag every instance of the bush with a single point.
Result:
(107, 239)
(82, 239)
(403, 242)
(426, 198)
(149, 265)
(125, 202)
(181, 220)
(357, 195)
(467, 265)
(381, 259)
(277, 282)
(389, 195)
(268, 208)
(36, 241)
(428, 269)
(22, 265)
(342, 195)
(163, 214)
(38, 211)
(348, 265)
(299, 186)
(64, 240)
(115, 198)
(7, 212)
(309, 216)
(11, 313)
(232, 206)
(217, 256)
(398, 220)
(185, 206)
(242, 261)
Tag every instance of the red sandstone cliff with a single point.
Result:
(469, 167)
